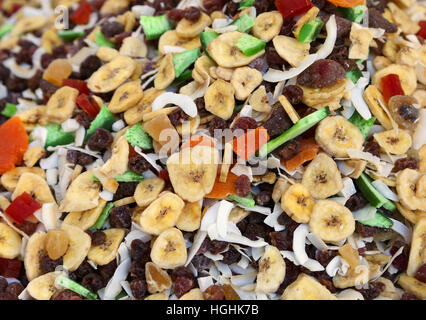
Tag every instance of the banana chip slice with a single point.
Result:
(267, 25)
(104, 253)
(169, 249)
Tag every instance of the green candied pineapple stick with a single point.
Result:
(363, 125)
(103, 217)
(374, 197)
(77, 288)
(244, 23)
(250, 45)
(154, 27)
(138, 137)
(379, 221)
(184, 59)
(104, 120)
(245, 201)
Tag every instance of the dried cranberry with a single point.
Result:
(373, 148)
(289, 223)
(89, 66)
(293, 94)
(214, 292)
(291, 274)
(176, 15)
(100, 140)
(98, 237)
(217, 246)
(48, 265)
(3, 284)
(77, 157)
(200, 103)
(321, 74)
(66, 295)
(318, 3)
(138, 288)
(213, 5)
(263, 198)
(182, 272)
(340, 55)
(111, 28)
(365, 231)
(204, 246)
(421, 274)
(356, 202)
(138, 164)
(217, 123)
(373, 291)
(409, 296)
(242, 185)
(277, 122)
(178, 116)
(280, 240)
(125, 189)
(289, 150)
(120, 217)
(25, 54)
(192, 14)
(182, 285)
(376, 20)
(92, 281)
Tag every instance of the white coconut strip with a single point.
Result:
(389, 263)
(348, 108)
(358, 100)
(348, 188)
(205, 282)
(113, 288)
(80, 56)
(259, 209)
(257, 253)
(273, 75)
(136, 234)
(173, 49)
(299, 237)
(350, 294)
(118, 125)
(224, 269)
(344, 168)
(24, 242)
(52, 176)
(243, 263)
(214, 257)
(210, 217)
(272, 219)
(313, 265)
(198, 241)
(50, 162)
(181, 100)
(123, 253)
(3, 91)
(36, 59)
(244, 279)
(148, 158)
(201, 90)
(143, 10)
(238, 270)
(237, 238)
(70, 125)
(126, 286)
(106, 195)
(49, 215)
(329, 42)
(316, 241)
(402, 229)
(385, 190)
(419, 137)
(290, 256)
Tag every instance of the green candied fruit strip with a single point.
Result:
(250, 45)
(379, 221)
(374, 197)
(77, 288)
(244, 23)
(5, 29)
(9, 110)
(363, 125)
(246, 4)
(104, 120)
(354, 75)
(122, 294)
(354, 14)
(183, 60)
(310, 30)
(185, 76)
(138, 137)
(128, 176)
(247, 201)
(56, 136)
(102, 41)
(300, 127)
(154, 27)
(70, 34)
(207, 37)
(103, 216)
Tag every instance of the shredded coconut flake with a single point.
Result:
(181, 100)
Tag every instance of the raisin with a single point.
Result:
(120, 217)
(4, 73)
(373, 291)
(321, 74)
(77, 157)
(365, 231)
(3, 285)
(176, 15)
(356, 202)
(291, 274)
(263, 198)
(25, 54)
(34, 82)
(46, 59)
(28, 227)
(217, 246)
(376, 20)
(107, 271)
(244, 123)
(192, 14)
(254, 230)
(242, 185)
(325, 256)
(84, 269)
(409, 296)
(289, 150)
(409, 113)
(182, 285)
(318, 3)
(137, 270)
(289, 223)
(89, 66)
(258, 64)
(217, 123)
(178, 116)
(421, 274)
(401, 261)
(213, 5)
(7, 296)
(66, 295)
(293, 94)
(277, 122)
(139, 250)
(111, 28)
(204, 246)
(48, 265)
(47, 88)
(119, 38)
(373, 148)
(16, 84)
(92, 281)
(200, 103)
(261, 6)
(125, 189)
(100, 140)
(138, 164)
(340, 55)
(273, 59)
(98, 237)
(287, 27)
(83, 118)
(214, 292)
(232, 8)
(280, 240)
(138, 288)
(201, 262)
(182, 272)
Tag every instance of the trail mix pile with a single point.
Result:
(212, 149)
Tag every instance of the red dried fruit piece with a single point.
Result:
(84, 103)
(293, 8)
(13, 143)
(391, 86)
(10, 268)
(80, 85)
(22, 207)
(82, 14)
(422, 31)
